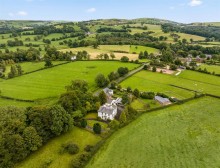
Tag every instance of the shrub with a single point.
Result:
(70, 147)
(97, 128)
(83, 123)
(88, 148)
(147, 95)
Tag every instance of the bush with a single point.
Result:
(147, 95)
(88, 148)
(70, 147)
(83, 123)
(97, 128)
(136, 93)
(124, 59)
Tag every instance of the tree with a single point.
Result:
(114, 124)
(48, 63)
(19, 69)
(125, 99)
(145, 54)
(122, 71)
(154, 69)
(95, 45)
(83, 123)
(101, 81)
(113, 76)
(124, 59)
(123, 118)
(129, 89)
(97, 128)
(141, 55)
(112, 55)
(32, 140)
(146, 67)
(136, 93)
(102, 97)
(81, 85)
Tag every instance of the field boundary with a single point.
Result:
(15, 99)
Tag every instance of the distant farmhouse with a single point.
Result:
(109, 110)
(162, 101)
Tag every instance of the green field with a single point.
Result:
(51, 82)
(210, 68)
(181, 136)
(50, 151)
(149, 81)
(32, 66)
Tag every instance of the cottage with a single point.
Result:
(107, 111)
(162, 101)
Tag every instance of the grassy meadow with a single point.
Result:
(181, 136)
(210, 68)
(150, 81)
(116, 49)
(32, 66)
(51, 82)
(50, 151)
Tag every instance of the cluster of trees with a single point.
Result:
(24, 131)
(20, 55)
(16, 70)
(110, 29)
(127, 115)
(205, 31)
(14, 43)
(77, 100)
(147, 95)
(143, 55)
(46, 30)
(106, 56)
(125, 39)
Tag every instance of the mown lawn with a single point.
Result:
(180, 136)
(51, 82)
(50, 151)
(149, 81)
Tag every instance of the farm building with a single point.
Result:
(107, 111)
(162, 101)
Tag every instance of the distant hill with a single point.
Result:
(207, 24)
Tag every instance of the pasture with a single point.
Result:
(210, 68)
(116, 49)
(32, 66)
(50, 151)
(51, 82)
(180, 136)
(149, 81)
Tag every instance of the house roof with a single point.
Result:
(107, 108)
(162, 100)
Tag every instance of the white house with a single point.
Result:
(107, 111)
(73, 58)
